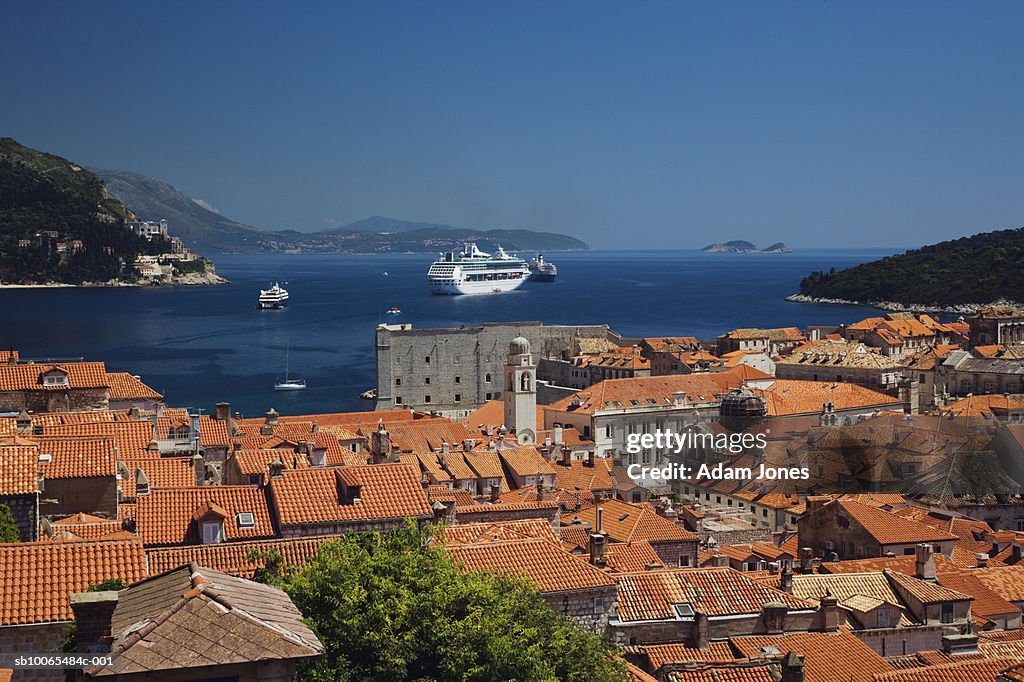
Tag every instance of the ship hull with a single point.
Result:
(542, 277)
(469, 288)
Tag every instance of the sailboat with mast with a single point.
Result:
(289, 384)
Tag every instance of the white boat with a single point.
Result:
(289, 384)
(393, 310)
(542, 270)
(274, 297)
(473, 271)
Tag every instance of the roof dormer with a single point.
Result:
(54, 377)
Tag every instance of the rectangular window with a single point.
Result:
(487, 378)
(426, 381)
(458, 397)
(457, 359)
(487, 396)
(398, 400)
(426, 398)
(398, 381)
(947, 612)
(211, 533)
(427, 359)
(458, 379)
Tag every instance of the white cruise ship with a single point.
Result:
(474, 272)
(274, 297)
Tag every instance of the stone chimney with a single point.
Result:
(773, 614)
(276, 468)
(442, 456)
(981, 559)
(495, 492)
(468, 444)
(23, 422)
(199, 468)
(93, 611)
(222, 412)
(793, 668)
(829, 610)
(786, 579)
(589, 459)
(598, 520)
(701, 631)
(598, 545)
(557, 432)
(141, 483)
(806, 555)
(924, 562)
(566, 454)
(816, 502)
(720, 561)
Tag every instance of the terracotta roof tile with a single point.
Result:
(29, 377)
(631, 557)
(387, 491)
(986, 602)
(164, 472)
(925, 591)
(232, 557)
(18, 467)
(790, 397)
(38, 578)
(1006, 581)
(525, 461)
(828, 657)
(624, 522)
(76, 457)
(540, 561)
(164, 516)
(982, 669)
(889, 529)
(125, 386)
(713, 591)
(478, 533)
(662, 654)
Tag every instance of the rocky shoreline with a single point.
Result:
(893, 306)
(187, 280)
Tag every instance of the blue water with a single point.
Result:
(205, 344)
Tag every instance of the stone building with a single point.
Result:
(997, 324)
(454, 371)
(840, 361)
(961, 374)
(520, 394)
(771, 341)
(161, 629)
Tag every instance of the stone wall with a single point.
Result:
(25, 510)
(590, 608)
(677, 552)
(33, 639)
(69, 400)
(457, 361)
(64, 496)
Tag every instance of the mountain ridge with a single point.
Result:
(202, 228)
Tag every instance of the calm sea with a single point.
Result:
(206, 344)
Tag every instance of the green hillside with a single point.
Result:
(972, 270)
(87, 242)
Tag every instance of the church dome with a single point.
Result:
(742, 402)
(519, 346)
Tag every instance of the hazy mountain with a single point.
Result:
(204, 228)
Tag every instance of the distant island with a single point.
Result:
(202, 227)
(740, 246)
(958, 275)
(59, 226)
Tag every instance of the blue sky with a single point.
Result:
(630, 125)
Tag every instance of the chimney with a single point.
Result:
(816, 502)
(598, 526)
(23, 422)
(468, 444)
(222, 412)
(924, 562)
(773, 614)
(558, 434)
(442, 456)
(773, 567)
(93, 611)
(701, 630)
(981, 559)
(829, 610)
(141, 483)
(958, 645)
(720, 561)
(598, 544)
(566, 456)
(589, 461)
(276, 468)
(786, 579)
(198, 468)
(495, 492)
(793, 668)
(806, 559)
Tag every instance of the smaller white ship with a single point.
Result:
(289, 384)
(274, 297)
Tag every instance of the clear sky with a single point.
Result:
(627, 124)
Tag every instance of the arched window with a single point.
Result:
(526, 381)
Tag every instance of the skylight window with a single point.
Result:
(683, 610)
(245, 520)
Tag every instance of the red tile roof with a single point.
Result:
(29, 377)
(18, 467)
(37, 579)
(889, 529)
(125, 386)
(540, 561)
(77, 457)
(387, 491)
(477, 533)
(624, 522)
(164, 517)
(828, 657)
(233, 557)
(713, 591)
(979, 669)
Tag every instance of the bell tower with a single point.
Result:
(520, 392)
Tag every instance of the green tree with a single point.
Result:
(393, 607)
(8, 529)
